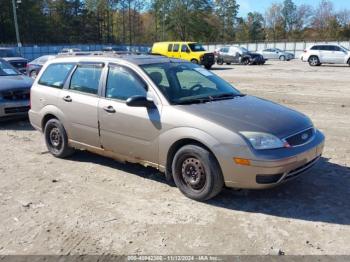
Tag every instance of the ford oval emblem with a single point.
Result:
(304, 136)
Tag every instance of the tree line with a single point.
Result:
(144, 22)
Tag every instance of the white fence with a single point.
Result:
(294, 47)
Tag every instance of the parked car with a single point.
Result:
(69, 50)
(14, 58)
(275, 53)
(317, 55)
(189, 51)
(175, 116)
(33, 68)
(14, 92)
(238, 55)
(115, 49)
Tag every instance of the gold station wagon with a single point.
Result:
(172, 115)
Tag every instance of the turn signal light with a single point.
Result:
(242, 161)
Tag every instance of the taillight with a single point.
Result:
(305, 50)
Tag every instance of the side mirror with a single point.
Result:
(188, 51)
(140, 101)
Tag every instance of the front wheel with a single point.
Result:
(282, 58)
(197, 173)
(56, 139)
(195, 61)
(245, 61)
(220, 61)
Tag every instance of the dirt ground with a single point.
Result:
(93, 205)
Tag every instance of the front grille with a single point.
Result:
(301, 138)
(15, 110)
(16, 95)
(18, 64)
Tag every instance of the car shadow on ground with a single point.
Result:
(20, 124)
(221, 68)
(321, 196)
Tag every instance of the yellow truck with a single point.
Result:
(190, 51)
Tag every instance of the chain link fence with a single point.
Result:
(33, 51)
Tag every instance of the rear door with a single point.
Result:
(79, 103)
(176, 51)
(131, 132)
(326, 53)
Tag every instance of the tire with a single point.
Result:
(314, 61)
(193, 158)
(228, 63)
(195, 61)
(56, 139)
(245, 62)
(282, 58)
(208, 67)
(33, 74)
(220, 61)
(349, 62)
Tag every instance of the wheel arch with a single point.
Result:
(181, 143)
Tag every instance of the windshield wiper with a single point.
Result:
(202, 100)
(225, 96)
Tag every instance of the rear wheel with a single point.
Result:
(349, 62)
(56, 139)
(314, 61)
(207, 67)
(228, 63)
(282, 58)
(197, 173)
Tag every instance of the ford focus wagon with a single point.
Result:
(172, 115)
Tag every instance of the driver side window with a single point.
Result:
(122, 84)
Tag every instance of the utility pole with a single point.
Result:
(16, 23)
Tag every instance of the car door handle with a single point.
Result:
(67, 98)
(109, 109)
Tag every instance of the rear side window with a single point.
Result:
(86, 79)
(55, 75)
(184, 48)
(170, 47)
(122, 83)
(176, 48)
(315, 48)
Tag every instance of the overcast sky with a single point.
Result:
(247, 6)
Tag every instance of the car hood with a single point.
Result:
(252, 114)
(15, 82)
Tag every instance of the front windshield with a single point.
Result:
(7, 70)
(345, 48)
(196, 47)
(186, 83)
(7, 53)
(244, 50)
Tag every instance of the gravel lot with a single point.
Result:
(90, 204)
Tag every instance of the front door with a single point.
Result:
(131, 132)
(79, 104)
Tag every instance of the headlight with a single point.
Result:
(261, 141)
